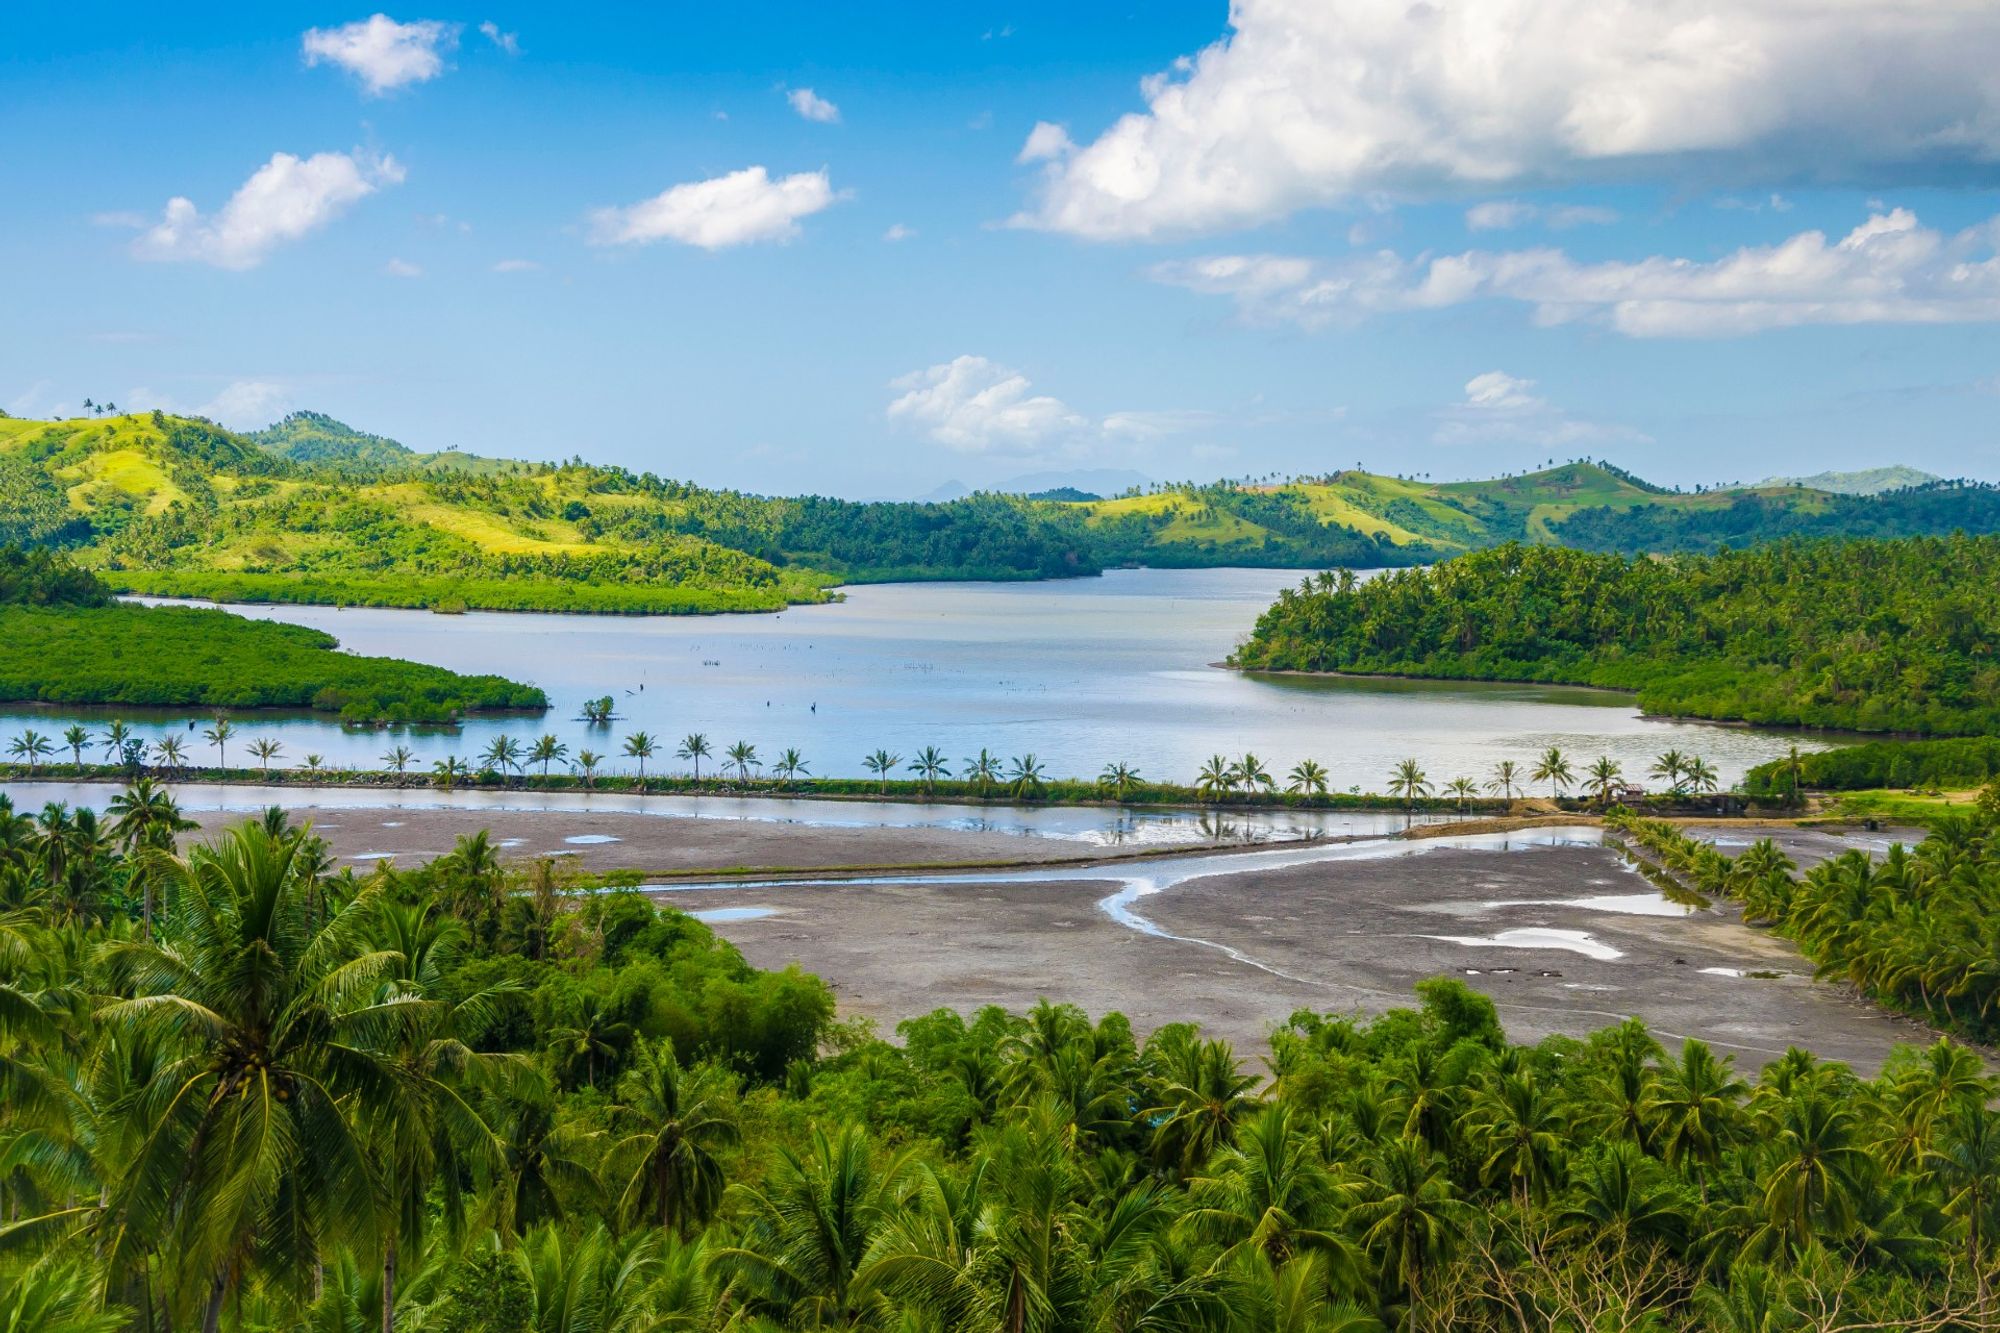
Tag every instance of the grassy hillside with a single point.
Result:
(312, 510)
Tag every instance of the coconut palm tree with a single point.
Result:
(1025, 775)
(1252, 776)
(1519, 1134)
(640, 746)
(116, 737)
(145, 816)
(790, 766)
(399, 759)
(76, 736)
(1120, 780)
(1604, 778)
(1408, 1217)
(1670, 767)
(31, 746)
(449, 771)
(1700, 776)
(983, 770)
(1307, 778)
(694, 747)
(1216, 779)
(314, 763)
(1554, 768)
(674, 1179)
(503, 756)
(1696, 1108)
(1506, 777)
(218, 736)
(1462, 790)
(268, 1026)
(586, 764)
(742, 756)
(547, 750)
(929, 766)
(170, 754)
(811, 1225)
(1407, 780)
(264, 749)
(881, 764)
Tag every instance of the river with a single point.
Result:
(1080, 673)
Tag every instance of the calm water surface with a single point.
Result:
(1080, 673)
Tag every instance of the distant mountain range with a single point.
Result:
(313, 510)
(1094, 483)
(1869, 481)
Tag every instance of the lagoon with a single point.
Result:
(1080, 673)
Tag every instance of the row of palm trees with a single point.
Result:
(1023, 776)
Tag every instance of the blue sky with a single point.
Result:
(790, 247)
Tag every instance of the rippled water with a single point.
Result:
(1080, 673)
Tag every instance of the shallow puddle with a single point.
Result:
(590, 839)
(718, 915)
(1537, 937)
(1625, 904)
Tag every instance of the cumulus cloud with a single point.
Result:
(1505, 214)
(285, 199)
(384, 54)
(898, 232)
(812, 106)
(737, 209)
(1889, 270)
(1047, 142)
(248, 404)
(402, 268)
(1503, 408)
(1307, 103)
(510, 42)
(516, 266)
(975, 406)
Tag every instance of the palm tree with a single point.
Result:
(1216, 779)
(450, 771)
(929, 766)
(983, 770)
(811, 1226)
(743, 756)
(76, 736)
(1204, 1094)
(144, 815)
(881, 764)
(1554, 768)
(1521, 1135)
(169, 753)
(314, 763)
(1121, 780)
(1252, 775)
(639, 746)
(267, 1023)
(399, 760)
(1025, 776)
(1819, 1163)
(116, 737)
(1696, 1108)
(32, 746)
(547, 750)
(791, 764)
(1967, 1164)
(675, 1179)
(1669, 768)
(218, 736)
(586, 764)
(1462, 790)
(1307, 778)
(1408, 1217)
(1407, 780)
(503, 756)
(695, 747)
(1270, 1192)
(1506, 777)
(1605, 776)
(1701, 777)
(264, 750)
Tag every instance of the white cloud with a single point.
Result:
(402, 268)
(975, 406)
(1307, 102)
(384, 54)
(738, 209)
(510, 42)
(248, 404)
(1047, 142)
(898, 232)
(283, 200)
(812, 106)
(516, 266)
(1888, 270)
(121, 219)
(1502, 408)
(1504, 214)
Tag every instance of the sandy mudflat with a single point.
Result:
(1345, 936)
(622, 841)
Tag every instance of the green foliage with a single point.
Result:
(1864, 635)
(1933, 509)
(1952, 764)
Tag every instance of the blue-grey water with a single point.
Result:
(1080, 673)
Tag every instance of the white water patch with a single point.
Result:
(1538, 937)
(591, 839)
(1624, 904)
(721, 915)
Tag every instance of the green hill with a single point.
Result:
(312, 510)
(1868, 481)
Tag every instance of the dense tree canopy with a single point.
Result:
(1863, 635)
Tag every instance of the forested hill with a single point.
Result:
(313, 510)
(1863, 635)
